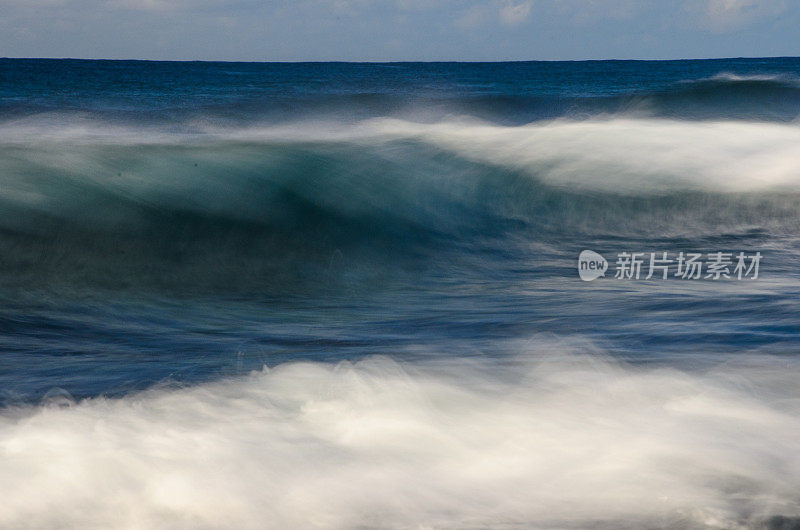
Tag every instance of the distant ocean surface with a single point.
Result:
(340, 295)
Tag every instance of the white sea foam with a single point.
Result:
(621, 155)
(733, 77)
(630, 156)
(552, 441)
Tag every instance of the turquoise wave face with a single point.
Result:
(268, 208)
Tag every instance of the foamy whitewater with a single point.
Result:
(552, 440)
(346, 296)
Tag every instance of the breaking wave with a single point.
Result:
(551, 439)
(263, 205)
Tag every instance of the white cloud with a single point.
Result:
(515, 13)
(472, 17)
(144, 5)
(723, 15)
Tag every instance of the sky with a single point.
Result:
(398, 30)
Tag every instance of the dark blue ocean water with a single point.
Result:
(177, 222)
(515, 92)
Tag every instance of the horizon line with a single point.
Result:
(437, 61)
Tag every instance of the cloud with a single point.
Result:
(145, 5)
(515, 13)
(724, 15)
(373, 29)
(472, 17)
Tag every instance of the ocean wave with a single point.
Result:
(547, 440)
(725, 96)
(777, 79)
(650, 155)
(232, 203)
